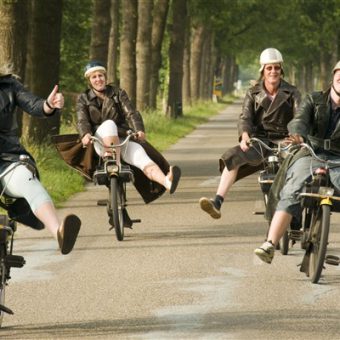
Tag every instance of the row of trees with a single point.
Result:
(169, 50)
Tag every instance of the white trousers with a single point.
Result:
(21, 183)
(132, 153)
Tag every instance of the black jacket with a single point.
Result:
(13, 95)
(312, 119)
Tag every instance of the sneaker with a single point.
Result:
(208, 205)
(265, 252)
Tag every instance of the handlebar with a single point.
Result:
(130, 134)
(262, 143)
(313, 154)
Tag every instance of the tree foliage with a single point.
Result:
(223, 39)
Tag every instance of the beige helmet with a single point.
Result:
(270, 56)
(336, 67)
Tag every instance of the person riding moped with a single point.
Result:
(32, 206)
(317, 122)
(267, 108)
(106, 112)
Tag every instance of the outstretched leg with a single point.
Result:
(170, 181)
(213, 206)
(279, 224)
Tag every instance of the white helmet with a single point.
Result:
(270, 56)
(336, 67)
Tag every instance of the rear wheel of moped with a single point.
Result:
(117, 206)
(319, 240)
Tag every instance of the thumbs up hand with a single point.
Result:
(55, 100)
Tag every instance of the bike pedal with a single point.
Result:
(138, 220)
(6, 309)
(16, 261)
(332, 260)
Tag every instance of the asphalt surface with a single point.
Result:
(178, 274)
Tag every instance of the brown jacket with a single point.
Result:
(91, 113)
(262, 118)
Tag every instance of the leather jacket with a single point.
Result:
(12, 95)
(92, 111)
(312, 119)
(262, 117)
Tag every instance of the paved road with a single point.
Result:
(177, 275)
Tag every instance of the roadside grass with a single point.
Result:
(62, 182)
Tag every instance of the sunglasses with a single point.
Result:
(270, 68)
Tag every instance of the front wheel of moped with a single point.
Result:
(117, 206)
(319, 240)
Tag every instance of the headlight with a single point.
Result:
(326, 191)
(112, 168)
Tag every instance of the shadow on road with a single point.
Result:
(278, 323)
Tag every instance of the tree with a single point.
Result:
(101, 23)
(112, 58)
(176, 53)
(160, 12)
(143, 57)
(198, 33)
(75, 41)
(186, 66)
(127, 58)
(13, 40)
(43, 59)
(13, 37)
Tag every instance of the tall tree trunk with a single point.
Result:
(160, 12)
(229, 74)
(44, 62)
(13, 35)
(112, 58)
(176, 53)
(100, 33)
(212, 67)
(196, 58)
(128, 48)
(186, 67)
(309, 77)
(325, 68)
(143, 57)
(13, 40)
(206, 67)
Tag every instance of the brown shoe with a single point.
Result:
(209, 207)
(68, 232)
